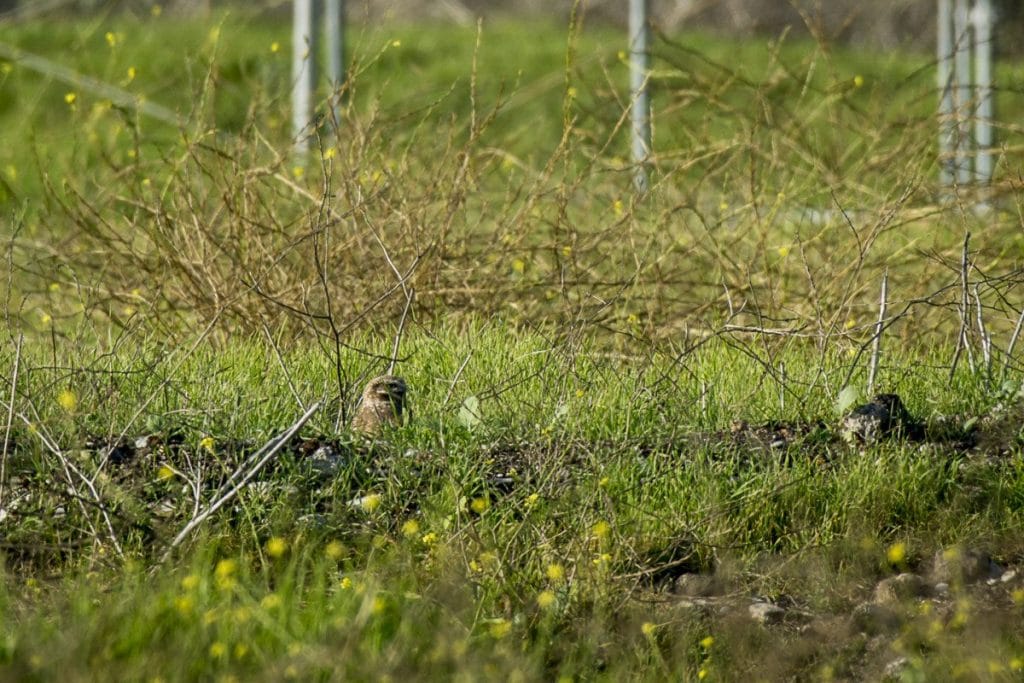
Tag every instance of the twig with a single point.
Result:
(10, 416)
(268, 451)
(410, 294)
(876, 343)
(1013, 342)
(986, 340)
(284, 368)
(69, 469)
(962, 340)
(455, 379)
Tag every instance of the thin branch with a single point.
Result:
(876, 344)
(268, 451)
(10, 416)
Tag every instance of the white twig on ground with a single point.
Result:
(268, 451)
(69, 470)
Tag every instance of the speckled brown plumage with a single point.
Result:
(383, 403)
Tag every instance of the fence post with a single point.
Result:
(303, 71)
(982, 18)
(334, 27)
(962, 40)
(947, 119)
(639, 32)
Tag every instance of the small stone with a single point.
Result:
(941, 589)
(697, 608)
(873, 619)
(894, 669)
(766, 614)
(694, 585)
(326, 461)
(964, 565)
(1008, 576)
(164, 508)
(876, 419)
(898, 588)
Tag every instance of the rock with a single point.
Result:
(874, 619)
(326, 461)
(697, 608)
(694, 585)
(1008, 576)
(894, 669)
(766, 613)
(956, 565)
(882, 416)
(901, 587)
(165, 507)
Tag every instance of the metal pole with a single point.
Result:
(641, 109)
(303, 72)
(947, 125)
(983, 19)
(334, 24)
(962, 92)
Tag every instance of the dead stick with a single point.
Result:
(10, 416)
(268, 451)
(876, 343)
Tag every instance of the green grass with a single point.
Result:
(202, 284)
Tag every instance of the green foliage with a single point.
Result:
(585, 366)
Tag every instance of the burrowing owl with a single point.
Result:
(382, 404)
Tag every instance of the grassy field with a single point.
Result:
(627, 455)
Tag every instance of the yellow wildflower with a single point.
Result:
(555, 572)
(480, 505)
(335, 550)
(275, 46)
(500, 628)
(277, 546)
(67, 400)
(706, 643)
(896, 553)
(370, 502)
(271, 601)
(648, 629)
(410, 528)
(545, 599)
(164, 473)
(190, 582)
(429, 538)
(224, 573)
(218, 650)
